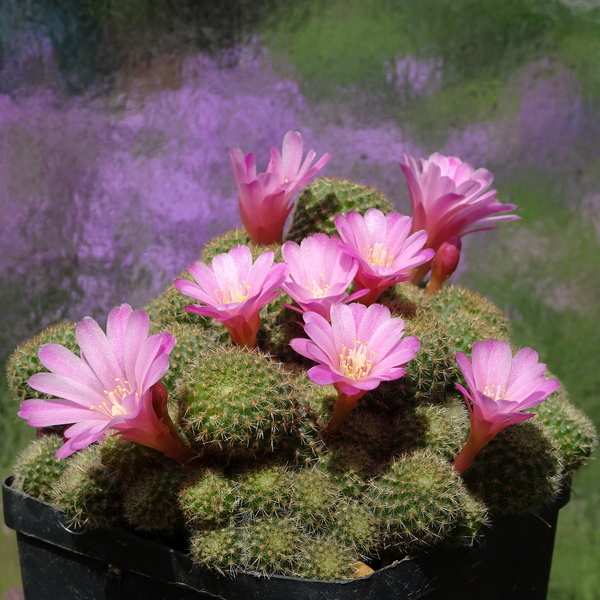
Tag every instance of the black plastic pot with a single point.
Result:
(511, 563)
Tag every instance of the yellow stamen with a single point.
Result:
(114, 399)
(234, 292)
(318, 290)
(356, 362)
(379, 256)
(496, 392)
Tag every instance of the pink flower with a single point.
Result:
(360, 348)
(384, 248)
(500, 387)
(112, 385)
(233, 290)
(265, 200)
(449, 198)
(320, 273)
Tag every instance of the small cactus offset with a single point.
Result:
(326, 558)
(236, 403)
(87, 493)
(207, 499)
(411, 513)
(266, 491)
(272, 545)
(219, 549)
(150, 503)
(274, 443)
(37, 469)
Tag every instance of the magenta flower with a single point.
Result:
(500, 387)
(114, 384)
(384, 247)
(233, 290)
(360, 348)
(449, 198)
(265, 200)
(320, 273)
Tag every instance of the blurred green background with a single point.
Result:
(513, 86)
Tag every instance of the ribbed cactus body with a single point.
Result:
(519, 470)
(372, 431)
(357, 527)
(150, 504)
(208, 499)
(37, 469)
(418, 500)
(271, 545)
(434, 370)
(266, 491)
(469, 317)
(326, 558)
(237, 403)
(24, 361)
(441, 428)
(88, 494)
(314, 498)
(324, 198)
(573, 432)
(236, 237)
(349, 466)
(220, 549)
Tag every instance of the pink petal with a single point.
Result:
(62, 361)
(66, 387)
(321, 375)
(116, 327)
(97, 352)
(47, 413)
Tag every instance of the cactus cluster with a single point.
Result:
(266, 492)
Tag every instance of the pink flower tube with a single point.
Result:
(384, 247)
(113, 385)
(360, 348)
(320, 273)
(233, 290)
(450, 198)
(500, 387)
(265, 200)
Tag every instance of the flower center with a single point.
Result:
(318, 290)
(356, 362)
(379, 256)
(496, 392)
(113, 405)
(234, 292)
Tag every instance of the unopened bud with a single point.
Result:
(444, 263)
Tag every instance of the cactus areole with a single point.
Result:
(378, 422)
